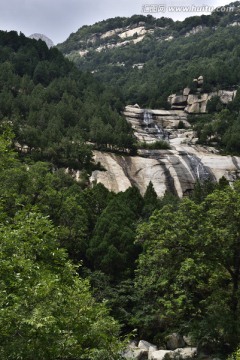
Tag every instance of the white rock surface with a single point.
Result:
(143, 344)
(186, 353)
(135, 354)
(160, 354)
(42, 37)
(197, 103)
(175, 170)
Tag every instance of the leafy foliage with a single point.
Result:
(47, 311)
(188, 274)
(54, 108)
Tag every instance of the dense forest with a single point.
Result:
(55, 109)
(82, 267)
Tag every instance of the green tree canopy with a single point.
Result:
(47, 311)
(189, 273)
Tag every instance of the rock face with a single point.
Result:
(43, 38)
(160, 355)
(136, 354)
(173, 170)
(147, 351)
(176, 170)
(175, 341)
(150, 352)
(166, 119)
(145, 345)
(197, 103)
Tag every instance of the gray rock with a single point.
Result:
(200, 80)
(175, 341)
(188, 340)
(146, 345)
(161, 355)
(185, 353)
(135, 354)
(179, 100)
(42, 37)
(186, 91)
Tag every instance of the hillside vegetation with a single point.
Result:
(55, 109)
(171, 54)
(167, 58)
(81, 265)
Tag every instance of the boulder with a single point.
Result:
(179, 100)
(226, 96)
(200, 80)
(160, 355)
(188, 340)
(203, 106)
(135, 354)
(171, 97)
(192, 99)
(151, 350)
(185, 353)
(146, 345)
(186, 91)
(175, 341)
(193, 109)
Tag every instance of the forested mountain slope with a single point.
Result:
(163, 264)
(53, 107)
(149, 58)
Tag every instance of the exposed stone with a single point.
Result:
(171, 97)
(185, 353)
(175, 170)
(188, 340)
(195, 30)
(146, 345)
(197, 103)
(192, 99)
(151, 350)
(193, 109)
(42, 37)
(226, 96)
(186, 91)
(172, 170)
(160, 354)
(175, 341)
(135, 354)
(179, 100)
(200, 80)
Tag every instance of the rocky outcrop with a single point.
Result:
(175, 341)
(197, 103)
(147, 351)
(196, 30)
(44, 38)
(174, 170)
(167, 119)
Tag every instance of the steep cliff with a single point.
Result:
(175, 170)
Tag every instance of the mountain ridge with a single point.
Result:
(42, 37)
(148, 58)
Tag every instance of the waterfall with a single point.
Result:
(147, 117)
(154, 129)
(199, 170)
(159, 130)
